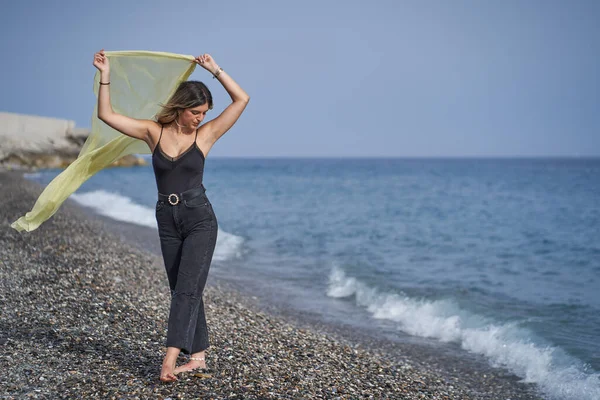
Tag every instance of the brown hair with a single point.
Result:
(189, 94)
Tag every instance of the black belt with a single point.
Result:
(174, 198)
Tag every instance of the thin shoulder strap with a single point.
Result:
(196, 136)
(161, 129)
(160, 137)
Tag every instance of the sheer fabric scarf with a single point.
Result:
(140, 82)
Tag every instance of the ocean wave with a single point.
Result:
(122, 208)
(34, 176)
(505, 345)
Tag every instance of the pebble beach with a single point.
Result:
(83, 314)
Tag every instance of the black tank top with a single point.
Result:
(176, 175)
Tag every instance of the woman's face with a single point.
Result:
(192, 117)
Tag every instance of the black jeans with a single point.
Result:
(188, 235)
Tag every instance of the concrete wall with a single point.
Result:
(32, 142)
(30, 133)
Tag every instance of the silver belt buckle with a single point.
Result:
(173, 202)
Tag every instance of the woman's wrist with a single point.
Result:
(216, 71)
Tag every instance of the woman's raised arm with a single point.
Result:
(221, 124)
(136, 128)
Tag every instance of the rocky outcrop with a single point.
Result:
(33, 142)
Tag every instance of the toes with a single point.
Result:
(168, 378)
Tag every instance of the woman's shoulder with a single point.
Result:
(154, 130)
(153, 125)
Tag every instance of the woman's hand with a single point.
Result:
(207, 62)
(101, 61)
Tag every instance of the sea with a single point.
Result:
(498, 257)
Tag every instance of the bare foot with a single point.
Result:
(190, 366)
(167, 373)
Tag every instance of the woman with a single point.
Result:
(187, 225)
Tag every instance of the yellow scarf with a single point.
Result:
(140, 82)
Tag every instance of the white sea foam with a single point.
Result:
(505, 345)
(32, 175)
(122, 208)
(117, 207)
(228, 246)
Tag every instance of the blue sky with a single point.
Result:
(326, 78)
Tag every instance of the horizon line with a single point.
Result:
(528, 157)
